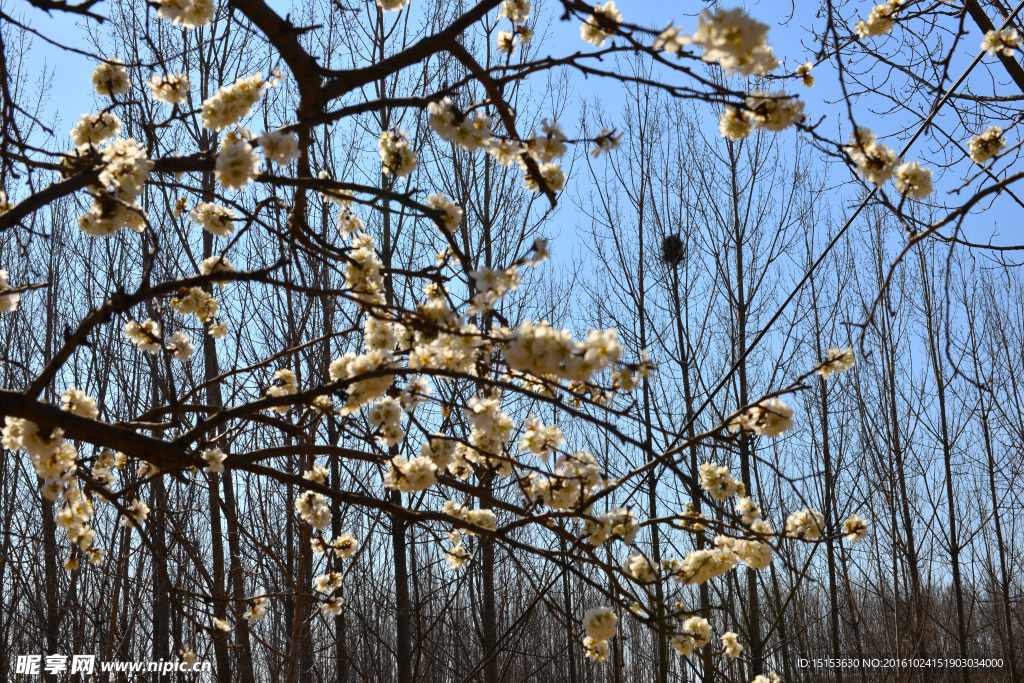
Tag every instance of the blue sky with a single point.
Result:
(72, 95)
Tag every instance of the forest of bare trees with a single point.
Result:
(423, 358)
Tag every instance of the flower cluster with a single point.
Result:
(540, 440)
(194, 301)
(191, 14)
(518, 12)
(491, 285)
(880, 20)
(213, 218)
(170, 88)
(733, 39)
(910, 180)
(837, 361)
(180, 346)
(78, 402)
(285, 384)
(875, 162)
(616, 523)
(110, 78)
(53, 459)
(328, 583)
(362, 273)
(216, 264)
(600, 25)
(1001, 42)
(600, 624)
(485, 519)
(451, 213)
(986, 145)
(214, 459)
(145, 335)
(362, 391)
(640, 569)
(257, 608)
(92, 129)
(471, 132)
(772, 111)
(386, 415)
(233, 102)
(719, 482)
(807, 524)
(855, 528)
(237, 163)
(770, 678)
(8, 302)
(392, 5)
(541, 350)
(457, 556)
(279, 146)
(804, 72)
(696, 633)
(125, 171)
(313, 509)
(769, 418)
(396, 157)
(492, 431)
(731, 645)
(606, 142)
(411, 475)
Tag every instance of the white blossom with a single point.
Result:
(880, 20)
(734, 40)
(1001, 42)
(313, 509)
(214, 218)
(596, 650)
(179, 345)
(855, 528)
(913, 181)
(837, 361)
(396, 157)
(8, 302)
(731, 645)
(232, 102)
(285, 384)
(92, 129)
(111, 78)
(600, 623)
(411, 475)
(279, 146)
(78, 402)
(769, 418)
(600, 25)
(216, 264)
(237, 164)
(138, 511)
(516, 11)
(986, 145)
(257, 609)
(218, 330)
(145, 335)
(451, 212)
(214, 459)
(807, 524)
(392, 5)
(170, 88)
(191, 14)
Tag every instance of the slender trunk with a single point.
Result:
(1004, 576)
(741, 304)
(947, 456)
(214, 399)
(403, 611)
